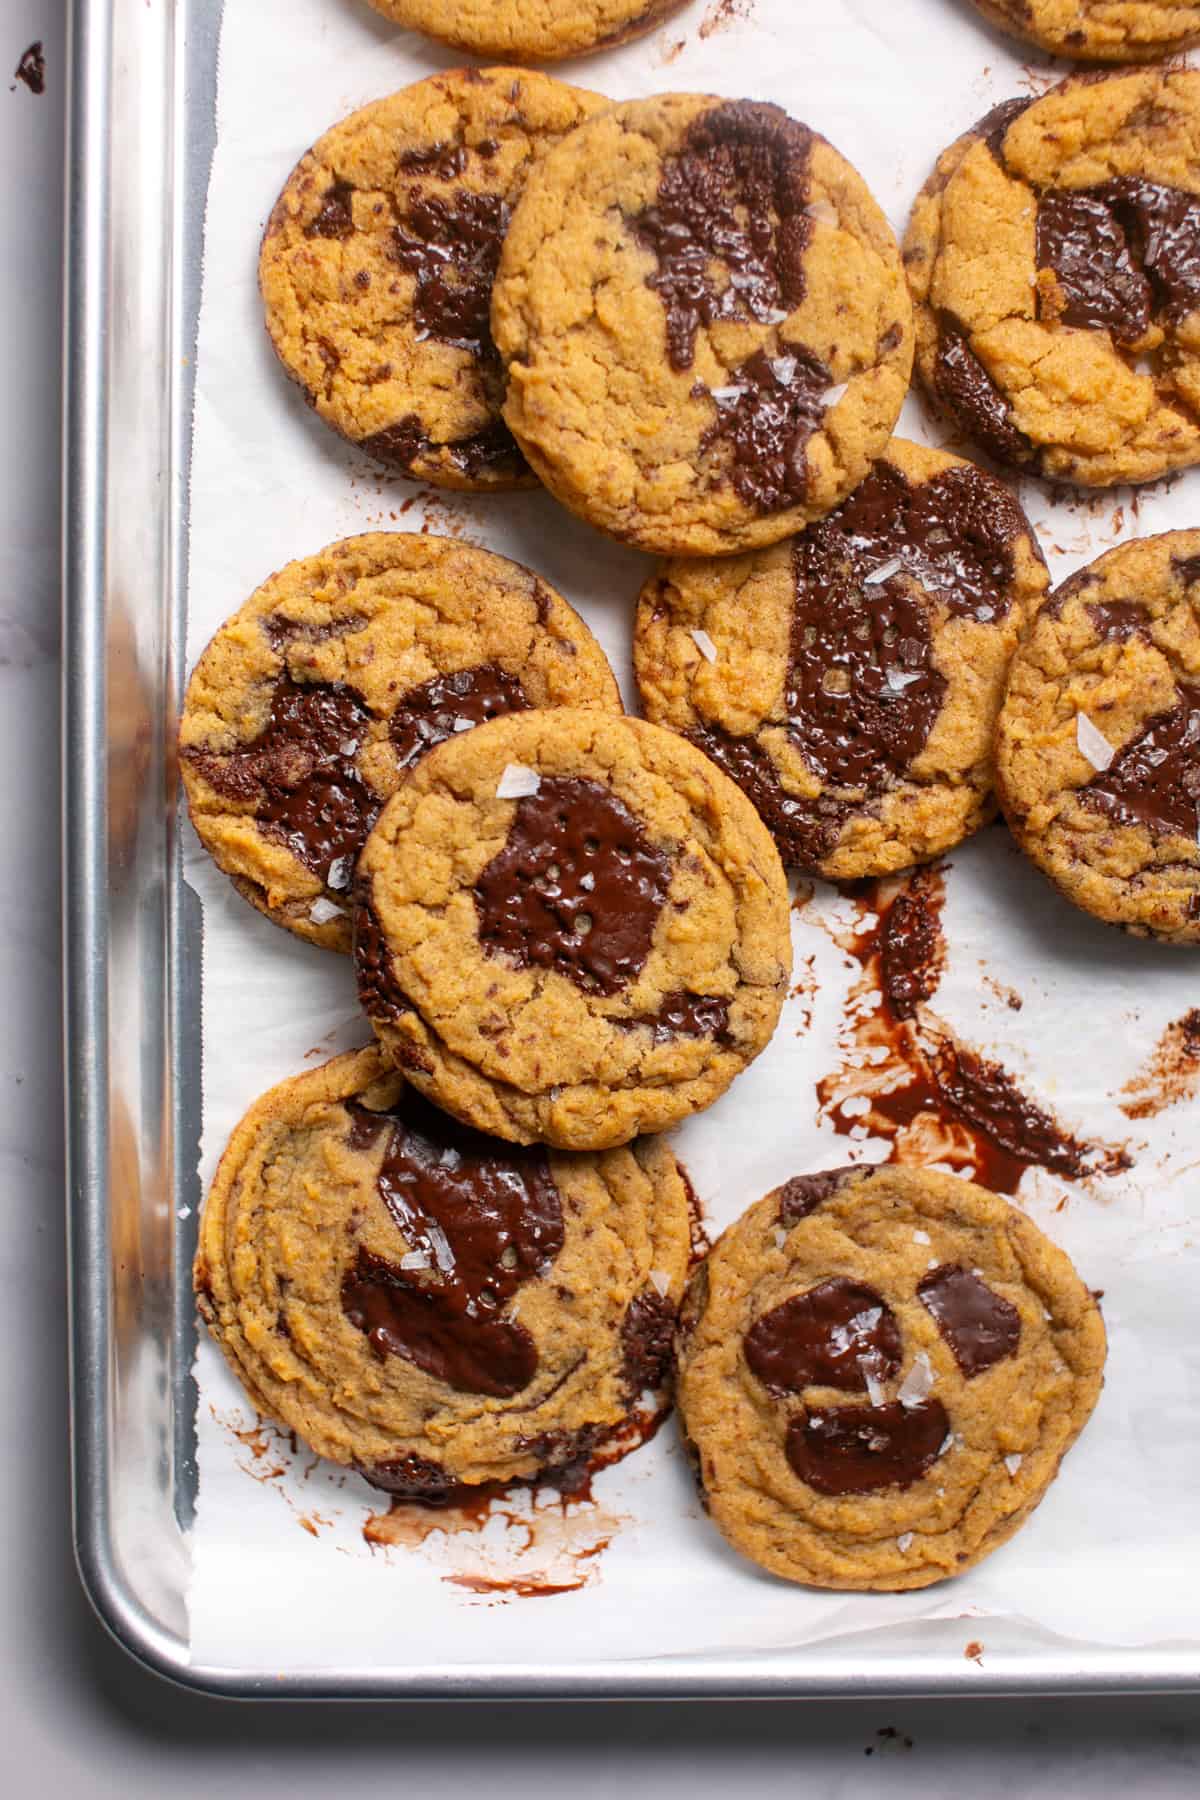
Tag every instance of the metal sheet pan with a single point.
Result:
(140, 139)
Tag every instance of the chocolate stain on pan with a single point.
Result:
(1172, 1073)
(908, 1078)
(31, 70)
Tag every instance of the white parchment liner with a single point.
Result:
(1113, 1554)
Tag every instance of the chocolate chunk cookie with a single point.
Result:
(1123, 31)
(335, 677)
(1054, 258)
(377, 265)
(529, 30)
(425, 1304)
(571, 928)
(880, 1371)
(1098, 744)
(849, 679)
(703, 322)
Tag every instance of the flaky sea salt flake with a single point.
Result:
(464, 724)
(885, 571)
(823, 210)
(322, 911)
(660, 1281)
(339, 873)
(922, 1237)
(704, 645)
(725, 396)
(832, 395)
(875, 1389)
(904, 1542)
(1012, 1464)
(1094, 745)
(899, 679)
(517, 782)
(917, 1383)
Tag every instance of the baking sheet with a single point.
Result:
(1112, 1555)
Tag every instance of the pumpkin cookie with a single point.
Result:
(336, 676)
(529, 30)
(571, 928)
(703, 322)
(377, 264)
(1098, 745)
(880, 1371)
(425, 1304)
(1054, 258)
(849, 679)
(1123, 31)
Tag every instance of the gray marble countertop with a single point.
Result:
(78, 1717)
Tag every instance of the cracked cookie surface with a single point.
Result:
(335, 677)
(571, 928)
(704, 324)
(1054, 261)
(1098, 742)
(529, 30)
(879, 1372)
(429, 1306)
(1099, 30)
(849, 679)
(377, 264)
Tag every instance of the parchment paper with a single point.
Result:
(283, 1578)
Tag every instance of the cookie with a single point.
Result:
(429, 1306)
(849, 679)
(1098, 743)
(1054, 259)
(529, 30)
(1123, 31)
(880, 1371)
(571, 928)
(703, 322)
(377, 264)
(335, 677)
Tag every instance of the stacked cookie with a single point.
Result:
(457, 1257)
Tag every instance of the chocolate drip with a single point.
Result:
(378, 994)
(986, 1095)
(483, 1218)
(968, 391)
(452, 246)
(765, 418)
(578, 887)
(1122, 252)
(299, 773)
(429, 714)
(336, 217)
(407, 442)
(911, 951)
(1155, 780)
(994, 125)
(835, 1335)
(858, 1449)
(980, 1326)
(804, 1193)
(734, 196)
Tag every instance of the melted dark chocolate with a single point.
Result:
(1123, 253)
(686, 1015)
(429, 714)
(986, 1096)
(578, 887)
(1117, 620)
(32, 69)
(407, 442)
(647, 1339)
(300, 774)
(857, 1449)
(968, 391)
(804, 1193)
(1155, 780)
(1187, 568)
(980, 1326)
(452, 246)
(911, 947)
(994, 125)
(835, 1335)
(378, 994)
(805, 830)
(733, 196)
(765, 420)
(485, 1217)
(336, 217)
(446, 161)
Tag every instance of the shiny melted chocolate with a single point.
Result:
(911, 950)
(1155, 780)
(764, 420)
(378, 994)
(578, 887)
(479, 1218)
(1123, 253)
(336, 216)
(429, 714)
(647, 1342)
(686, 1015)
(980, 1326)
(804, 1193)
(300, 773)
(732, 198)
(969, 393)
(1116, 621)
(484, 452)
(451, 244)
(835, 1335)
(858, 1449)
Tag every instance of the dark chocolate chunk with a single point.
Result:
(732, 198)
(1081, 238)
(566, 1456)
(412, 1477)
(993, 125)
(765, 418)
(429, 714)
(299, 774)
(1187, 568)
(1155, 780)
(980, 1326)
(805, 830)
(1117, 620)
(578, 887)
(407, 442)
(378, 993)
(647, 1336)
(835, 1335)
(857, 1449)
(968, 391)
(452, 246)
(804, 1193)
(336, 217)
(686, 1015)
(483, 1217)
(446, 161)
